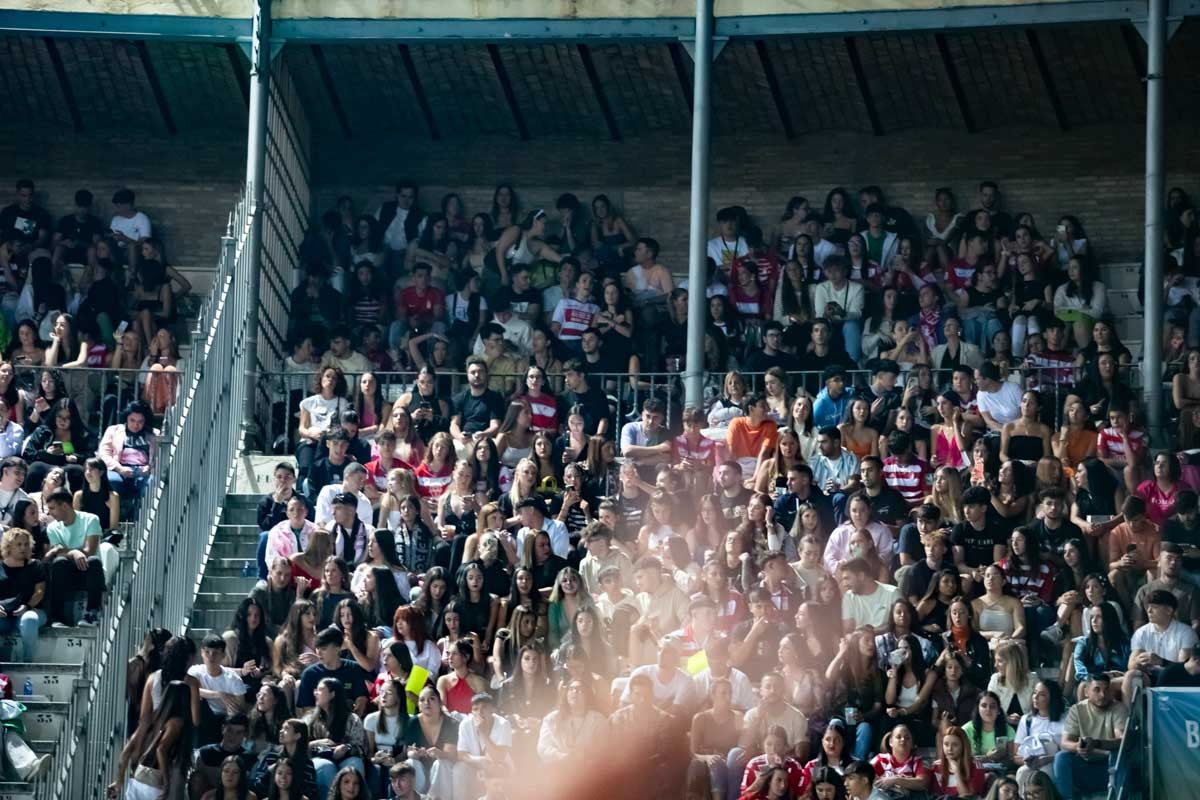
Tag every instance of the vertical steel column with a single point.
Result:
(1156, 48)
(697, 259)
(256, 167)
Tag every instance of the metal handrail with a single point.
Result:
(156, 584)
(1120, 780)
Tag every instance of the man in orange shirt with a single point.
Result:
(752, 434)
(1132, 550)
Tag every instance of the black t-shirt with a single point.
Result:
(631, 510)
(1175, 531)
(212, 755)
(28, 224)
(730, 504)
(890, 506)
(595, 408)
(760, 361)
(606, 364)
(520, 301)
(325, 472)
(1055, 540)
(17, 583)
(80, 231)
(766, 651)
(351, 675)
(477, 413)
(977, 545)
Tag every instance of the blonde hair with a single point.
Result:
(950, 503)
(1016, 665)
(11, 537)
(514, 492)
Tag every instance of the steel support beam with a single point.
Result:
(693, 375)
(256, 171)
(1156, 105)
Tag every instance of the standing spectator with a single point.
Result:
(402, 223)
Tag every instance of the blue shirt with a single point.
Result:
(828, 412)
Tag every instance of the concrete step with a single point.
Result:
(1122, 302)
(218, 600)
(215, 618)
(227, 565)
(244, 548)
(227, 585)
(43, 719)
(50, 681)
(236, 532)
(1120, 275)
(55, 646)
(17, 790)
(239, 515)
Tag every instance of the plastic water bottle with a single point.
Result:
(249, 570)
(28, 690)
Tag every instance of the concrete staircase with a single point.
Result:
(224, 583)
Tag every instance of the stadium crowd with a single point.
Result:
(913, 544)
(77, 442)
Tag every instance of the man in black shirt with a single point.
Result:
(1054, 529)
(597, 363)
(596, 413)
(771, 355)
(476, 411)
(756, 641)
(917, 578)
(209, 758)
(525, 301)
(821, 354)
(332, 665)
(799, 490)
(330, 467)
(732, 492)
(1186, 674)
(890, 506)
(978, 541)
(272, 509)
(77, 232)
(909, 548)
(1183, 528)
(24, 223)
(882, 393)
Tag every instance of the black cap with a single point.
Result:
(345, 499)
(1172, 548)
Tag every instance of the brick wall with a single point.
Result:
(186, 184)
(1095, 173)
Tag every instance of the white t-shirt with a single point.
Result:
(383, 739)
(321, 411)
(136, 227)
(677, 689)
(724, 252)
(471, 741)
(560, 539)
(228, 682)
(1004, 404)
(870, 609)
(1164, 644)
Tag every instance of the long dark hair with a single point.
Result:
(78, 430)
(176, 658)
(267, 726)
(336, 719)
(1105, 643)
(176, 704)
(387, 597)
(514, 596)
(358, 622)
(977, 721)
(252, 644)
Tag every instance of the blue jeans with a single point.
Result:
(29, 624)
(862, 740)
(1072, 774)
(852, 337)
(261, 555)
(130, 488)
(980, 330)
(327, 771)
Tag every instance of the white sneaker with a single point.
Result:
(38, 768)
(59, 625)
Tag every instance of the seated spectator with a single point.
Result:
(354, 478)
(223, 762)
(127, 451)
(1091, 737)
(841, 302)
(60, 440)
(23, 587)
(866, 601)
(97, 495)
(74, 558)
(221, 689)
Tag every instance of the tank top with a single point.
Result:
(860, 449)
(97, 355)
(458, 697)
(995, 619)
(512, 455)
(948, 452)
(519, 253)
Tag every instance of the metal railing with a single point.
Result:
(100, 393)
(157, 581)
(281, 392)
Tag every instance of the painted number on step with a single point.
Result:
(74, 643)
(43, 718)
(50, 680)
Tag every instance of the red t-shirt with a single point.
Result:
(910, 480)
(430, 483)
(417, 307)
(1159, 504)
